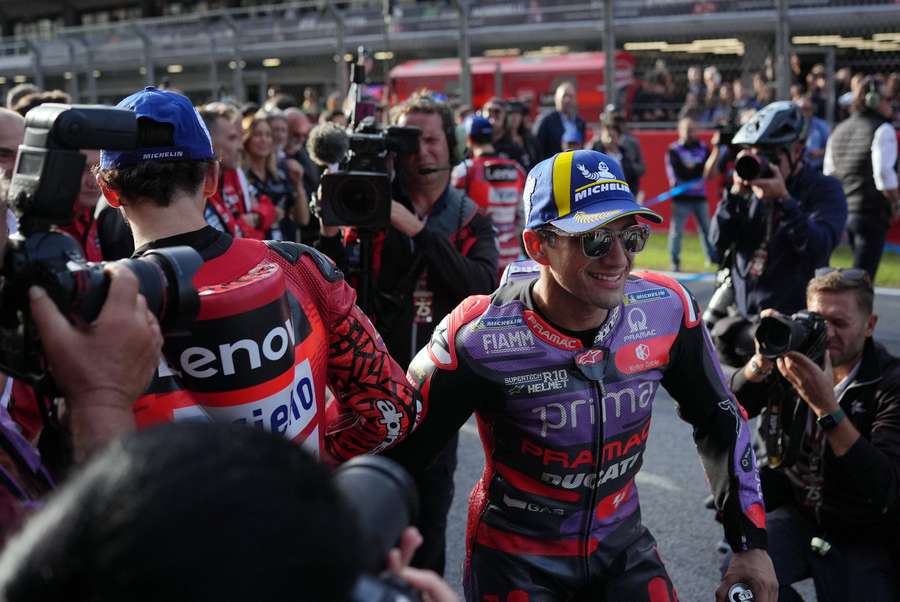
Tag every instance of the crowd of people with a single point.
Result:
(547, 350)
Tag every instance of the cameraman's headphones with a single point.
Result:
(873, 97)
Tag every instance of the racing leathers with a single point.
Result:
(496, 185)
(277, 324)
(555, 515)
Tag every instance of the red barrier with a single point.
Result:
(654, 144)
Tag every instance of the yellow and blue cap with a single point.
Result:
(578, 191)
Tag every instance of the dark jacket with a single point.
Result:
(459, 258)
(861, 493)
(806, 229)
(851, 151)
(549, 131)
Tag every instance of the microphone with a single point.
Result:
(424, 171)
(328, 144)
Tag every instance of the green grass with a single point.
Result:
(655, 256)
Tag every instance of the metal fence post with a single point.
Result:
(237, 76)
(465, 73)
(36, 68)
(609, 47)
(341, 76)
(782, 49)
(149, 66)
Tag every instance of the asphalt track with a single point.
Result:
(671, 484)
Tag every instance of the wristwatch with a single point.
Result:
(827, 422)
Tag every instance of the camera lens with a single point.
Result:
(774, 336)
(165, 279)
(749, 167)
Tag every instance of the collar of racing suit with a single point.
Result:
(207, 241)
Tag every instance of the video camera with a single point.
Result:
(45, 183)
(385, 501)
(359, 194)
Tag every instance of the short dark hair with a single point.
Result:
(424, 102)
(841, 281)
(190, 511)
(156, 181)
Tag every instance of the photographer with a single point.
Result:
(833, 511)
(276, 322)
(438, 250)
(779, 221)
(205, 512)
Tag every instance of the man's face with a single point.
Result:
(90, 190)
(298, 129)
(687, 130)
(226, 141)
(848, 326)
(433, 149)
(598, 282)
(12, 132)
(565, 99)
(279, 132)
(495, 114)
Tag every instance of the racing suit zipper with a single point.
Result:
(600, 391)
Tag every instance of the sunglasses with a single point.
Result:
(849, 275)
(598, 243)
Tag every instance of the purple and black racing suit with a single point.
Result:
(564, 420)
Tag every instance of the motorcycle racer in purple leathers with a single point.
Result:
(561, 365)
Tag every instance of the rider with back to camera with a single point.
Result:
(567, 356)
(277, 323)
(778, 224)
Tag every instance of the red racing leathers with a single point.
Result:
(496, 185)
(277, 324)
(555, 515)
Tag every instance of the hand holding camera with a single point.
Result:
(760, 175)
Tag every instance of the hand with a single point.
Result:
(428, 583)
(102, 368)
(405, 220)
(814, 385)
(753, 567)
(771, 188)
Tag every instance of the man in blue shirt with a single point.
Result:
(818, 134)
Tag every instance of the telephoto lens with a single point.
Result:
(751, 167)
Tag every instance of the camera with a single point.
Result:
(726, 132)
(384, 499)
(750, 167)
(45, 183)
(360, 193)
(805, 332)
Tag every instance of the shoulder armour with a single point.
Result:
(470, 308)
(691, 316)
(292, 252)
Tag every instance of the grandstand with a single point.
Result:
(99, 50)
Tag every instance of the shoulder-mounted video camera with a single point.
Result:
(359, 194)
(45, 182)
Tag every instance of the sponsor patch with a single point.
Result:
(499, 322)
(500, 173)
(649, 295)
(496, 343)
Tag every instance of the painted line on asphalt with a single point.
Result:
(654, 480)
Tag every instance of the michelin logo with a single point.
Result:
(649, 295)
(499, 322)
(602, 172)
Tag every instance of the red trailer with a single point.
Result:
(530, 78)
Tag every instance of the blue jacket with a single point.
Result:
(807, 228)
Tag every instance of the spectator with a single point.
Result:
(337, 117)
(695, 83)
(723, 111)
(494, 110)
(817, 139)
(630, 145)
(693, 108)
(266, 178)
(572, 141)
(12, 132)
(862, 153)
(518, 131)
(84, 227)
(279, 126)
(18, 92)
(495, 183)
(550, 128)
(742, 99)
(608, 142)
(685, 159)
(28, 102)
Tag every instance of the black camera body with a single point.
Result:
(726, 132)
(44, 185)
(805, 332)
(360, 193)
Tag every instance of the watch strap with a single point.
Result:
(828, 421)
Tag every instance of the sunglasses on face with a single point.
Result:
(598, 243)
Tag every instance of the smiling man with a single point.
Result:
(566, 357)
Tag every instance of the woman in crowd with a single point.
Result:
(266, 178)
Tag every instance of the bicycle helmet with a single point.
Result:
(777, 124)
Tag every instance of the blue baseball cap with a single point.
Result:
(477, 125)
(191, 141)
(578, 191)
